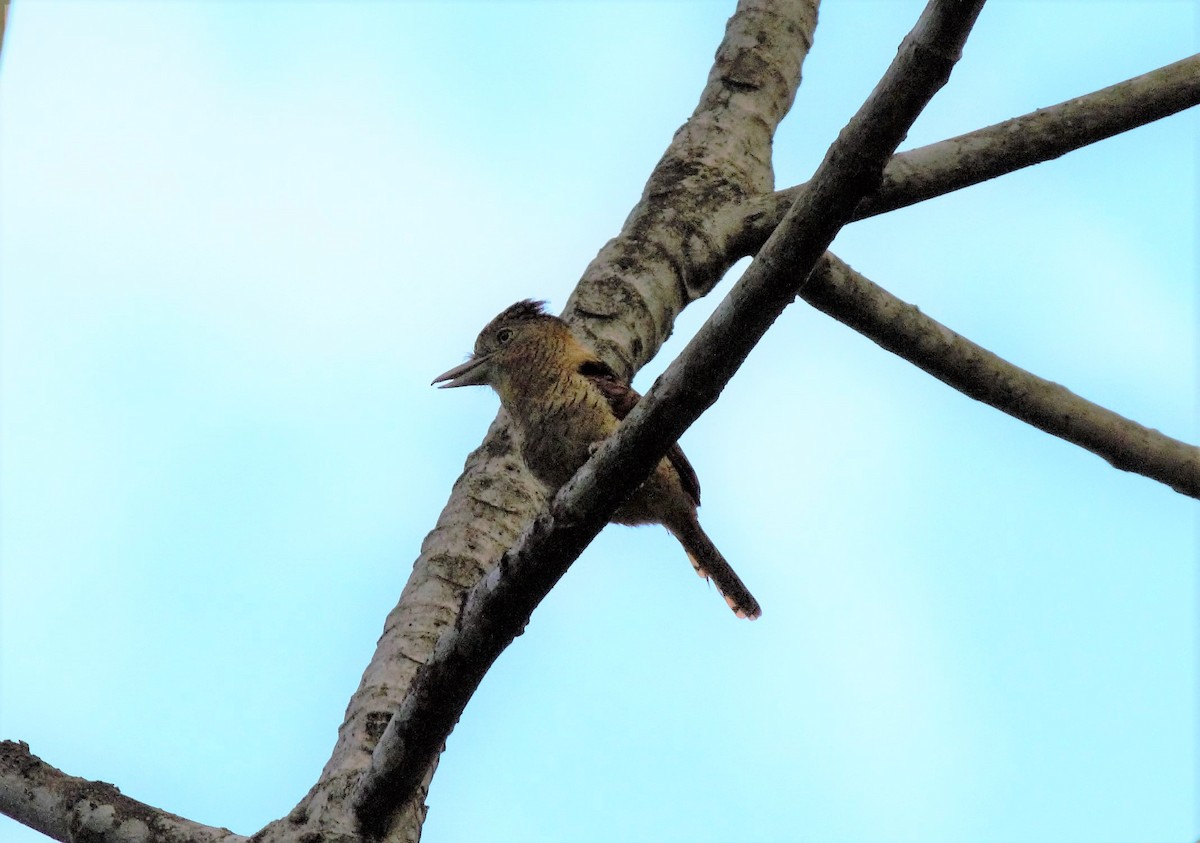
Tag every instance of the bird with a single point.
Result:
(564, 401)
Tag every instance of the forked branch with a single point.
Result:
(497, 609)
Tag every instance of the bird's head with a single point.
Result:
(508, 339)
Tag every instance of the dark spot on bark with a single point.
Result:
(738, 85)
(376, 722)
(299, 815)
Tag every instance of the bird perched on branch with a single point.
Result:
(563, 401)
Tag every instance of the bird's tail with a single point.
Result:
(710, 564)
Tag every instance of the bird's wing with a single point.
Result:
(622, 398)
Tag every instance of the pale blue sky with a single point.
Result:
(239, 239)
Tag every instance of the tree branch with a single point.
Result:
(498, 608)
(676, 244)
(837, 290)
(984, 154)
(626, 303)
(71, 809)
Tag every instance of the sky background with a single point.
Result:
(237, 241)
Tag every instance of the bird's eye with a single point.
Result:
(504, 335)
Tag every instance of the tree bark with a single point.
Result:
(69, 808)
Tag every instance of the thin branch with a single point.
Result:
(497, 609)
(71, 809)
(984, 154)
(836, 289)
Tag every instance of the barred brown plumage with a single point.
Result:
(563, 400)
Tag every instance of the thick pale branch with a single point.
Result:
(978, 156)
(902, 329)
(498, 608)
(74, 810)
(626, 303)
(675, 245)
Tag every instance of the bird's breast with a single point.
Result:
(559, 427)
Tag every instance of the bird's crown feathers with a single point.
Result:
(522, 310)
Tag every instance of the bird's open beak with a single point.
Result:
(472, 373)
